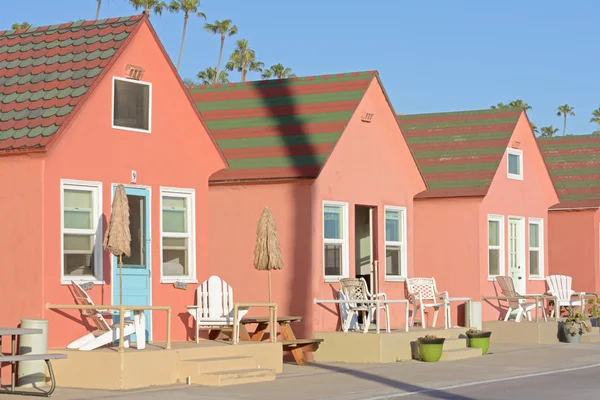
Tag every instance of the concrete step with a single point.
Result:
(198, 366)
(460, 354)
(455, 344)
(590, 338)
(238, 377)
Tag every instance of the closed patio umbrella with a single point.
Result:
(267, 254)
(117, 240)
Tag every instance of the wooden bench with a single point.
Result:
(12, 359)
(304, 344)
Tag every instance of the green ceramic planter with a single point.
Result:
(480, 341)
(431, 349)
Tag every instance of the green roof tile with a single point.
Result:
(27, 54)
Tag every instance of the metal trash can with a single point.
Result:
(33, 373)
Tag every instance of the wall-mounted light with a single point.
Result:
(134, 72)
(366, 117)
(515, 144)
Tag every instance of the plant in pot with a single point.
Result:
(431, 348)
(594, 311)
(479, 339)
(575, 325)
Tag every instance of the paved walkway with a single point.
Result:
(552, 371)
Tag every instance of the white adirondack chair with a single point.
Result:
(423, 293)
(560, 286)
(214, 306)
(507, 286)
(356, 289)
(345, 313)
(105, 333)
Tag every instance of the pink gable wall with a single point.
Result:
(529, 198)
(573, 254)
(177, 153)
(371, 165)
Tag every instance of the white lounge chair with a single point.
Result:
(560, 286)
(423, 293)
(355, 289)
(516, 302)
(105, 333)
(214, 306)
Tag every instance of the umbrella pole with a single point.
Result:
(121, 310)
(269, 286)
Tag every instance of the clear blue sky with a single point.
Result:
(431, 55)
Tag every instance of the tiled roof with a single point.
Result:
(279, 128)
(458, 153)
(46, 71)
(574, 165)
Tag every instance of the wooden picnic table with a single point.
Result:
(289, 342)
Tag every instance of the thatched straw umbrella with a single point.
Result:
(267, 254)
(117, 240)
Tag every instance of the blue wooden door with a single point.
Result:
(136, 267)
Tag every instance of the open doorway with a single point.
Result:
(365, 251)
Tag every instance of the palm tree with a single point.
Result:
(513, 104)
(187, 82)
(156, 6)
(24, 25)
(278, 71)
(534, 128)
(223, 28)
(187, 7)
(565, 111)
(98, 8)
(549, 131)
(244, 60)
(209, 76)
(596, 116)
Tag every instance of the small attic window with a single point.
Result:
(131, 105)
(515, 164)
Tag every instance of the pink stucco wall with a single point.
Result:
(177, 153)
(528, 198)
(573, 254)
(370, 165)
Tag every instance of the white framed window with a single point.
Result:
(335, 241)
(395, 243)
(495, 246)
(178, 232)
(515, 163)
(132, 105)
(81, 231)
(536, 248)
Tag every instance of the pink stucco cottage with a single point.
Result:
(85, 106)
(574, 223)
(326, 155)
(485, 212)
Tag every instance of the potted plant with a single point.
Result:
(431, 348)
(575, 325)
(594, 311)
(479, 339)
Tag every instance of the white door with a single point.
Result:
(516, 259)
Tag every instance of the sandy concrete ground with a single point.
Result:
(552, 371)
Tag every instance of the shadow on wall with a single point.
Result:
(292, 131)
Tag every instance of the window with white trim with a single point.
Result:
(515, 163)
(335, 240)
(495, 245)
(395, 243)
(132, 104)
(536, 248)
(178, 235)
(81, 204)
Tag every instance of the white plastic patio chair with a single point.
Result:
(105, 333)
(515, 302)
(345, 313)
(423, 293)
(355, 289)
(214, 306)
(560, 286)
